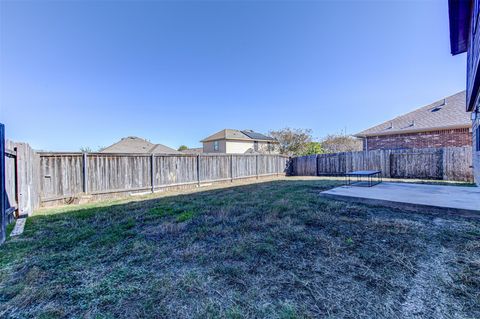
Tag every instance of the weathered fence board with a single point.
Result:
(455, 165)
(60, 175)
(132, 172)
(28, 178)
(214, 168)
(22, 177)
(450, 163)
(244, 166)
(305, 165)
(11, 190)
(175, 170)
(417, 165)
(69, 175)
(266, 164)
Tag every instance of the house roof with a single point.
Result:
(133, 144)
(443, 114)
(245, 135)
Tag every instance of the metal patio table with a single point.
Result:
(363, 178)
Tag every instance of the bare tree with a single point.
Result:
(292, 141)
(334, 143)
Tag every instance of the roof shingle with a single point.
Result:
(443, 114)
(134, 144)
(246, 135)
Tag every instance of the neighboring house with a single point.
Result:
(134, 144)
(465, 37)
(239, 142)
(193, 151)
(440, 124)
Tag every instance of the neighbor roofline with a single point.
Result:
(238, 139)
(430, 129)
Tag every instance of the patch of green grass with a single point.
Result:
(161, 211)
(234, 313)
(184, 216)
(288, 311)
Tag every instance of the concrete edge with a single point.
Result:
(19, 227)
(417, 208)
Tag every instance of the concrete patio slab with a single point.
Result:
(459, 199)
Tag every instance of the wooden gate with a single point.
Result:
(9, 189)
(422, 165)
(11, 183)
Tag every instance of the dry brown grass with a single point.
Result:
(270, 250)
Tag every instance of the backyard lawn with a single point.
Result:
(268, 250)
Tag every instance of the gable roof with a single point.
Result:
(443, 114)
(245, 135)
(133, 144)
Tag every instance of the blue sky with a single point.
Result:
(87, 73)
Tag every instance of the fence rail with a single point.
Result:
(449, 163)
(66, 175)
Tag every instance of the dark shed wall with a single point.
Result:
(473, 58)
(473, 82)
(464, 19)
(476, 152)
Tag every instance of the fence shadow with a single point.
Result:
(152, 200)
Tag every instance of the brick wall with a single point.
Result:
(443, 138)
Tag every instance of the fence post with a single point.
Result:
(277, 165)
(387, 166)
(17, 182)
(198, 170)
(316, 164)
(85, 173)
(152, 170)
(444, 164)
(231, 168)
(256, 165)
(3, 207)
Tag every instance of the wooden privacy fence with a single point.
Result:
(21, 178)
(19, 181)
(449, 163)
(66, 175)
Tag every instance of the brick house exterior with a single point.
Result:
(443, 123)
(441, 138)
